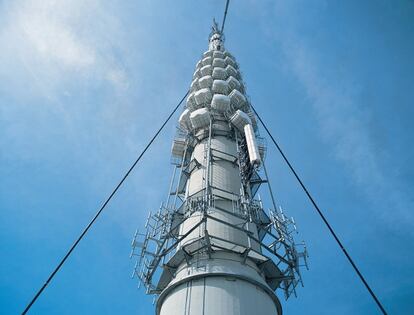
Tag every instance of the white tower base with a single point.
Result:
(221, 285)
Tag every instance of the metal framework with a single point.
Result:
(213, 226)
(158, 249)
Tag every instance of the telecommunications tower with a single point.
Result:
(212, 248)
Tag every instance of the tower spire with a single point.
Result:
(216, 38)
(212, 249)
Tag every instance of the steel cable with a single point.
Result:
(101, 209)
(225, 15)
(377, 301)
(39, 292)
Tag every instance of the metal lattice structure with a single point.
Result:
(213, 226)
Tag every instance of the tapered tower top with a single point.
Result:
(216, 38)
(212, 248)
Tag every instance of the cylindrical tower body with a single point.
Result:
(217, 267)
(212, 249)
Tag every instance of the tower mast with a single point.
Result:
(211, 248)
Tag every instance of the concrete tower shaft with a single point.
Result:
(223, 279)
(212, 249)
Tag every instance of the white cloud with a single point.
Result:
(57, 39)
(62, 79)
(118, 77)
(344, 124)
(52, 38)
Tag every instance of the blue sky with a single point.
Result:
(84, 85)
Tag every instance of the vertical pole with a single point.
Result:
(179, 178)
(171, 184)
(270, 188)
(208, 166)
